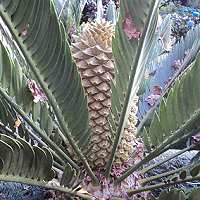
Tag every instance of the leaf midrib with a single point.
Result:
(131, 89)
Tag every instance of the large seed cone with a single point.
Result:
(92, 52)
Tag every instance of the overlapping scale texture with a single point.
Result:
(92, 52)
(128, 143)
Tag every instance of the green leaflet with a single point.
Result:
(19, 158)
(190, 44)
(7, 116)
(32, 165)
(75, 10)
(176, 194)
(176, 116)
(130, 53)
(13, 80)
(70, 11)
(172, 195)
(194, 195)
(69, 177)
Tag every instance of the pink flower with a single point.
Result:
(139, 151)
(130, 29)
(36, 91)
(157, 90)
(196, 139)
(24, 30)
(177, 64)
(153, 98)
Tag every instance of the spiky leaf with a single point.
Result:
(20, 159)
(43, 43)
(23, 163)
(162, 68)
(177, 114)
(70, 10)
(194, 195)
(15, 84)
(134, 36)
(172, 195)
(42, 40)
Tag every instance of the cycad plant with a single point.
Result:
(68, 112)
